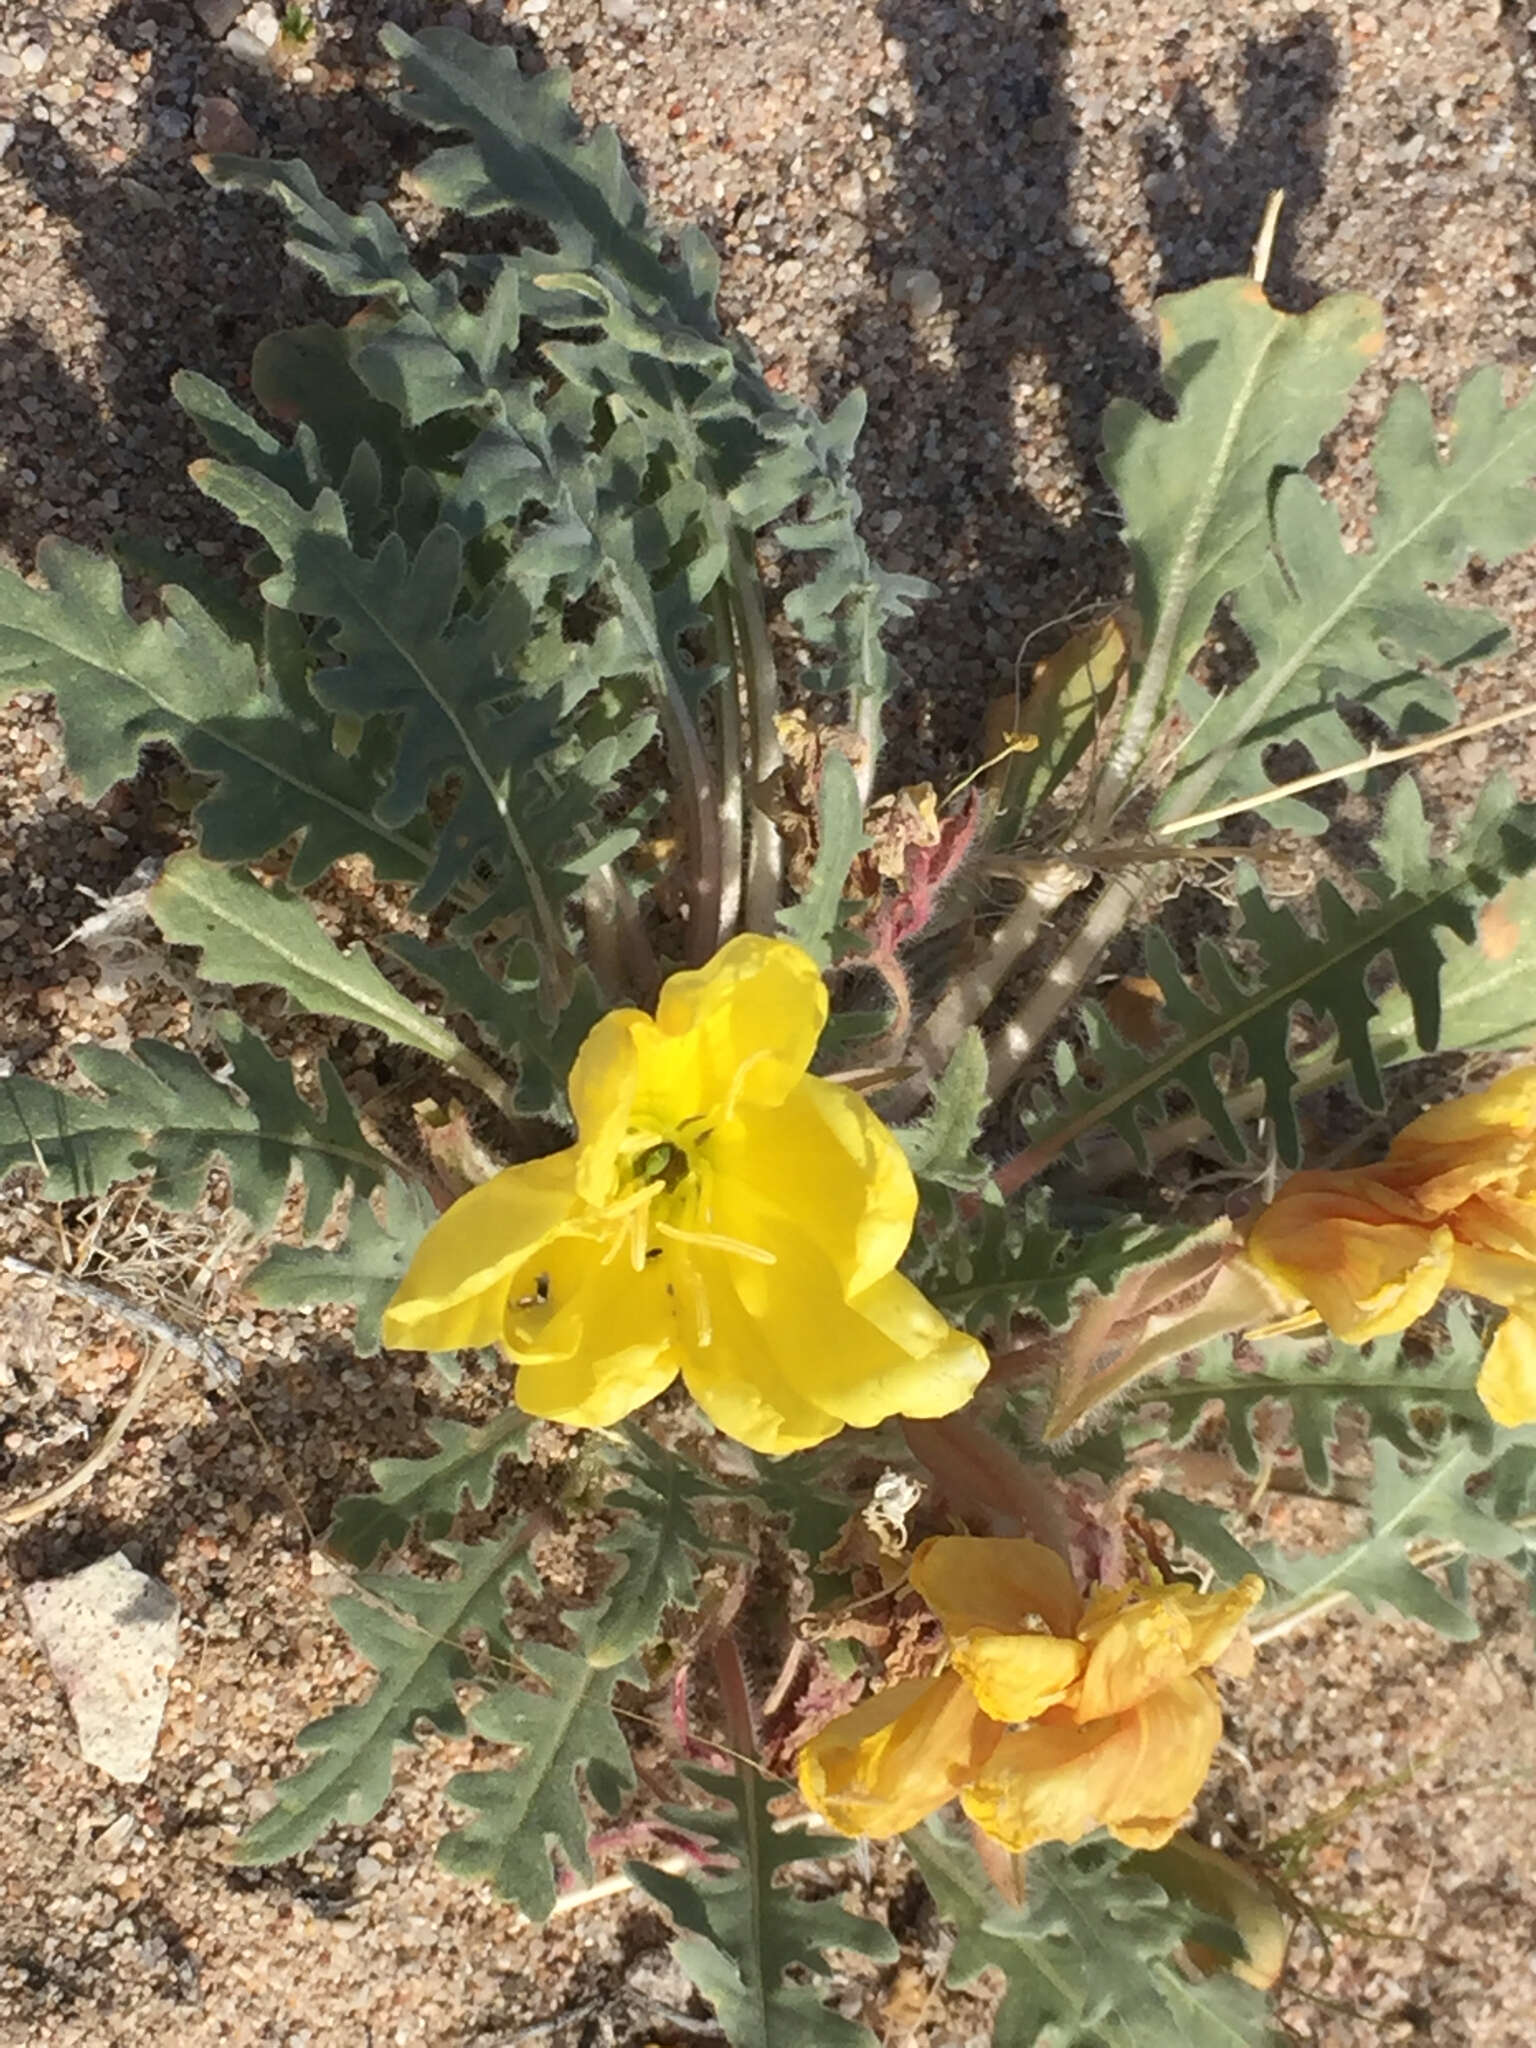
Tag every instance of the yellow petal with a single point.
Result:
(1137, 1649)
(822, 1163)
(1508, 1105)
(748, 1022)
(1052, 1781)
(604, 1080)
(738, 1379)
(886, 1352)
(1216, 1618)
(892, 1760)
(1506, 1384)
(1135, 1773)
(1505, 1278)
(602, 1344)
(1145, 1636)
(995, 1582)
(1177, 1731)
(1499, 1221)
(1016, 1677)
(455, 1289)
(1352, 1246)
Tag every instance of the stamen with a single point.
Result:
(711, 1241)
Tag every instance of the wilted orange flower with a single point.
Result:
(1453, 1204)
(1053, 1715)
(723, 1214)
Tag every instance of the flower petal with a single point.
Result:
(1053, 1781)
(603, 1344)
(454, 1293)
(1017, 1677)
(1506, 1384)
(745, 1026)
(995, 1582)
(604, 1080)
(1178, 1730)
(1353, 1247)
(1140, 1641)
(1135, 1773)
(821, 1164)
(738, 1379)
(892, 1760)
(1145, 1636)
(886, 1352)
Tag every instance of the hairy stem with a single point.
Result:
(732, 779)
(985, 1482)
(760, 679)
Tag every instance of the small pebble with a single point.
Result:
(218, 17)
(261, 22)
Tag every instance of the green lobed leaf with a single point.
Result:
(1427, 1500)
(984, 1268)
(659, 1541)
(519, 1812)
(742, 1930)
(247, 933)
(363, 1270)
(426, 1493)
(1407, 1502)
(507, 1007)
(410, 1631)
(120, 684)
(1090, 1959)
(1412, 898)
(812, 921)
(1256, 391)
(1331, 625)
(159, 1111)
(941, 1146)
(1404, 1397)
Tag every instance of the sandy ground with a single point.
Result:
(1053, 167)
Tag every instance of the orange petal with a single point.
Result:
(1506, 1384)
(894, 1759)
(995, 1582)
(1135, 1773)
(1015, 1677)
(1177, 1733)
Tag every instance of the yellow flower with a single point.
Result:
(1453, 1204)
(723, 1214)
(1053, 1715)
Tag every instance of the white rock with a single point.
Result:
(919, 289)
(261, 21)
(109, 1634)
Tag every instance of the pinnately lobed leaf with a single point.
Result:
(567, 1729)
(247, 933)
(1090, 1960)
(1405, 1396)
(741, 1930)
(426, 1493)
(1330, 626)
(409, 1630)
(1427, 1501)
(840, 836)
(363, 1271)
(159, 1111)
(1413, 896)
(1256, 391)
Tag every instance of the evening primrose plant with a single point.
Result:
(859, 1202)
